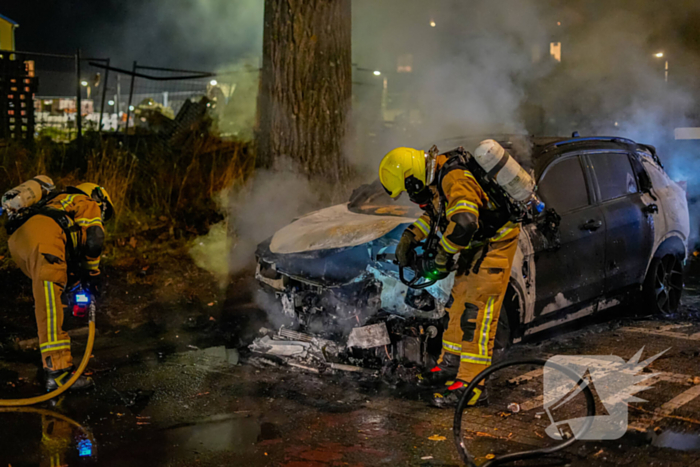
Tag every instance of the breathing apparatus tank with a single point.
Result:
(27, 194)
(505, 170)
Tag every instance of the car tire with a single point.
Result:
(663, 286)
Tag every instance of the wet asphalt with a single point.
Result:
(173, 395)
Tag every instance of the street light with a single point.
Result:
(432, 23)
(213, 82)
(131, 107)
(377, 72)
(110, 102)
(84, 83)
(661, 55)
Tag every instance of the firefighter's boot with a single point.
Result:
(442, 373)
(57, 378)
(450, 398)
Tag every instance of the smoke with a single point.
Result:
(189, 34)
(455, 68)
(466, 76)
(237, 94)
(254, 212)
(485, 68)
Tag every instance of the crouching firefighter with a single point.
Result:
(56, 239)
(479, 223)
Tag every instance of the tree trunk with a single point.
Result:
(306, 85)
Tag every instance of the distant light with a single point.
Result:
(110, 102)
(84, 83)
(432, 23)
(213, 82)
(617, 124)
(555, 50)
(558, 23)
(659, 55)
(377, 72)
(131, 107)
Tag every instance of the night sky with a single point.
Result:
(198, 34)
(207, 34)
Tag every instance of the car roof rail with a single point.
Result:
(612, 139)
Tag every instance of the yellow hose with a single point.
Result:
(69, 383)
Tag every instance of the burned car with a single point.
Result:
(622, 235)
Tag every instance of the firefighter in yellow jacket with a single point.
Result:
(483, 271)
(59, 245)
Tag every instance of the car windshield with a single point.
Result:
(372, 199)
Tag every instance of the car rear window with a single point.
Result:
(563, 186)
(615, 175)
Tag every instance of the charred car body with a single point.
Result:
(623, 233)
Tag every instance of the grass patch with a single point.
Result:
(161, 194)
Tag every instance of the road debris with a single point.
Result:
(514, 407)
(437, 438)
(303, 367)
(340, 366)
(367, 337)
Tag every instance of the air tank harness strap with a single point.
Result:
(43, 184)
(69, 227)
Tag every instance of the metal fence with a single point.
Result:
(71, 94)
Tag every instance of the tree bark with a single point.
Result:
(306, 86)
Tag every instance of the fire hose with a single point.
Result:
(458, 431)
(72, 380)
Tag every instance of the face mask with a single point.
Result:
(417, 192)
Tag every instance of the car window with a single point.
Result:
(615, 175)
(563, 186)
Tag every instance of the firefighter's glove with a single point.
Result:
(403, 249)
(92, 283)
(439, 267)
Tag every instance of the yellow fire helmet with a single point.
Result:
(400, 164)
(100, 195)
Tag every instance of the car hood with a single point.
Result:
(334, 227)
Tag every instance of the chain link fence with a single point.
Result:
(62, 96)
(148, 99)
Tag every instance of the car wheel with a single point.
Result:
(663, 285)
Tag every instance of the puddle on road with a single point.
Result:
(677, 440)
(35, 436)
(220, 433)
(65, 442)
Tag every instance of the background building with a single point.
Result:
(7, 33)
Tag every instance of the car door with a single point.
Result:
(629, 234)
(573, 273)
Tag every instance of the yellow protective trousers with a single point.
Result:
(39, 249)
(475, 307)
